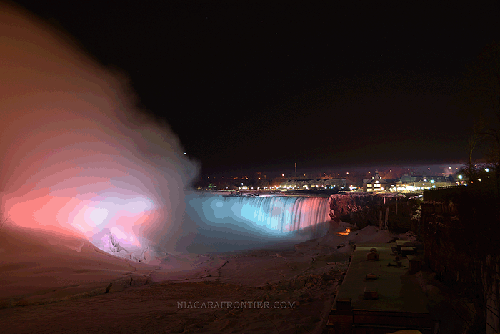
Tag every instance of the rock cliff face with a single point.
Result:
(344, 205)
(363, 209)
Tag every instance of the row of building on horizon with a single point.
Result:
(375, 182)
(407, 183)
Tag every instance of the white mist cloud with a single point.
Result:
(78, 157)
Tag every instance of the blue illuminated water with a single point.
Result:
(217, 223)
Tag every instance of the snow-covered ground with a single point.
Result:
(34, 261)
(57, 271)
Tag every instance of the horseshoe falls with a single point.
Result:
(217, 223)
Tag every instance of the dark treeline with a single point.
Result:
(460, 229)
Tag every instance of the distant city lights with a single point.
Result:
(335, 182)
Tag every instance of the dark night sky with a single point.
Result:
(261, 84)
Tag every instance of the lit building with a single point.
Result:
(375, 184)
(410, 183)
(308, 184)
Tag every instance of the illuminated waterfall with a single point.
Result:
(224, 223)
(283, 214)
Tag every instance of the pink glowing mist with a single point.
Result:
(78, 158)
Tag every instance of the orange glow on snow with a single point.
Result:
(346, 232)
